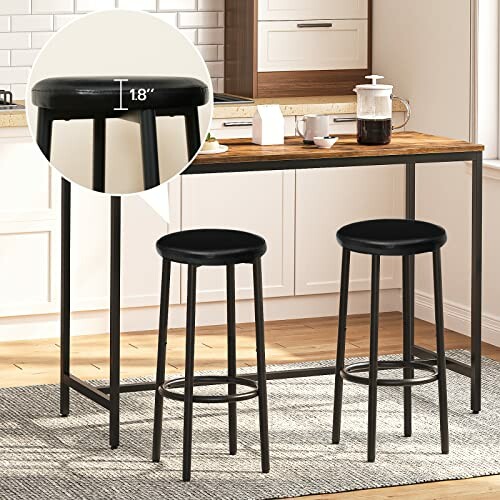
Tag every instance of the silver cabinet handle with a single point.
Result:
(343, 120)
(315, 25)
(237, 124)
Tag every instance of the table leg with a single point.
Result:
(476, 280)
(409, 296)
(65, 295)
(114, 344)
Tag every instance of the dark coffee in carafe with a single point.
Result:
(374, 132)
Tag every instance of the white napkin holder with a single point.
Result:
(268, 125)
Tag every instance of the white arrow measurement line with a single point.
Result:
(121, 80)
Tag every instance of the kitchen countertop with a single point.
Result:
(290, 106)
(294, 106)
(13, 118)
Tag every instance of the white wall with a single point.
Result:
(424, 49)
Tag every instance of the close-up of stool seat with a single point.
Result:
(102, 98)
(391, 237)
(211, 247)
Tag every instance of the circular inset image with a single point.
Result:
(119, 101)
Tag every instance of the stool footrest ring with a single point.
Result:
(348, 373)
(166, 389)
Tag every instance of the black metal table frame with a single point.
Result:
(109, 396)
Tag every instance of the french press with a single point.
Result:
(374, 112)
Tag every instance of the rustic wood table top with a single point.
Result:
(403, 143)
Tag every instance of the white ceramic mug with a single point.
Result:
(314, 126)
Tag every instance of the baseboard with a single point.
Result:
(207, 313)
(457, 317)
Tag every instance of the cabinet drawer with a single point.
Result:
(288, 46)
(284, 10)
(232, 128)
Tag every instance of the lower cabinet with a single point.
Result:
(260, 202)
(326, 199)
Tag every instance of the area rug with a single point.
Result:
(44, 456)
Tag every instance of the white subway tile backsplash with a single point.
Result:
(168, 17)
(210, 4)
(208, 36)
(198, 19)
(15, 40)
(18, 90)
(91, 5)
(32, 23)
(38, 40)
(137, 4)
(4, 23)
(177, 5)
(4, 58)
(63, 20)
(26, 25)
(216, 69)
(8, 7)
(14, 75)
(208, 52)
(52, 6)
(24, 57)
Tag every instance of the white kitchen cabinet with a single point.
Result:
(259, 202)
(230, 128)
(283, 10)
(28, 229)
(346, 123)
(326, 199)
(297, 46)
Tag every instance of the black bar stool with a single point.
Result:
(100, 98)
(404, 238)
(211, 247)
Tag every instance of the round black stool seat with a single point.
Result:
(211, 247)
(391, 237)
(102, 94)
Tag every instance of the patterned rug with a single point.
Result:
(44, 456)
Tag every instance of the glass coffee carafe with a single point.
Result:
(374, 112)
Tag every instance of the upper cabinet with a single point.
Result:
(277, 48)
(286, 10)
(293, 46)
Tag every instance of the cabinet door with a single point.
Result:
(28, 229)
(284, 10)
(296, 46)
(259, 202)
(326, 199)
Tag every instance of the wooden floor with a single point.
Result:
(37, 362)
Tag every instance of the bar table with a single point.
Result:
(406, 148)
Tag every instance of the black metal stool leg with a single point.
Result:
(339, 365)
(231, 356)
(65, 295)
(192, 132)
(114, 336)
(99, 155)
(149, 141)
(372, 390)
(189, 374)
(261, 364)
(408, 322)
(441, 355)
(44, 131)
(161, 358)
